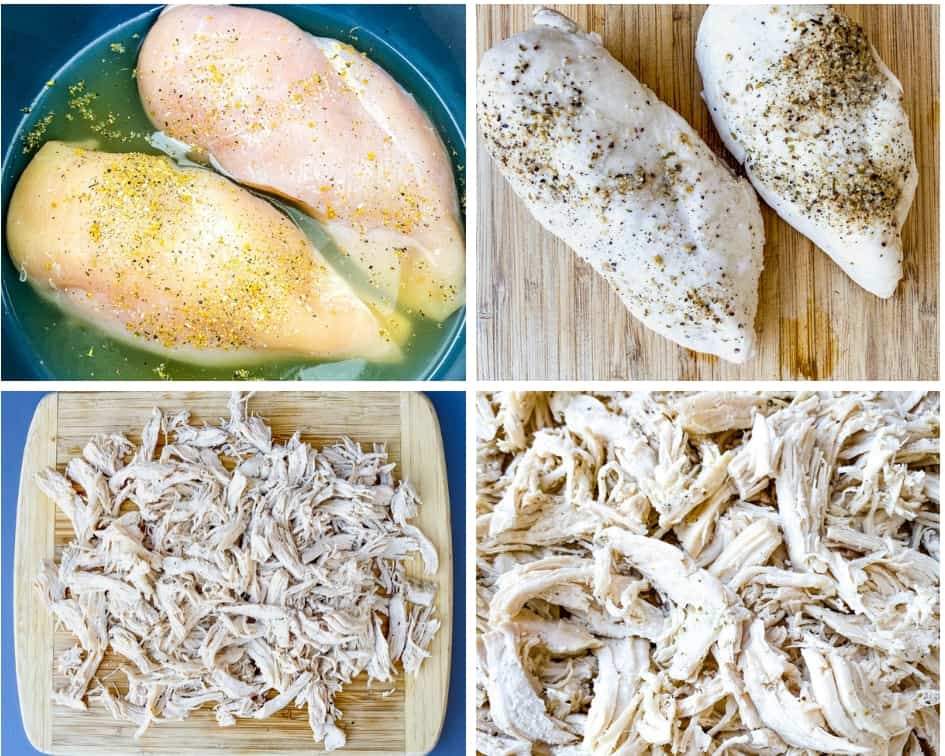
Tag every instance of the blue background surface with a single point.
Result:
(16, 411)
(38, 39)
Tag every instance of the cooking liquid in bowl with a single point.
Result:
(94, 101)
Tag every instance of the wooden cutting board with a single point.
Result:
(407, 721)
(545, 314)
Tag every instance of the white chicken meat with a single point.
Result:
(714, 573)
(232, 570)
(624, 181)
(803, 100)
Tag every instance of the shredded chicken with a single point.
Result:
(712, 573)
(234, 571)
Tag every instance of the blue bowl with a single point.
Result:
(423, 47)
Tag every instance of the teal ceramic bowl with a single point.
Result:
(423, 47)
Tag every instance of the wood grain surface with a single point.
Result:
(407, 721)
(544, 314)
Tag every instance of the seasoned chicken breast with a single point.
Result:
(181, 260)
(317, 122)
(622, 179)
(800, 97)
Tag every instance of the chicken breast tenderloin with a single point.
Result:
(622, 179)
(802, 99)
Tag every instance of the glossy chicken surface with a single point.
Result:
(182, 260)
(317, 122)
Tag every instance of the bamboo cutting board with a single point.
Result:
(407, 721)
(544, 314)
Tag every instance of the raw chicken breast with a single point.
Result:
(622, 179)
(181, 260)
(317, 122)
(800, 97)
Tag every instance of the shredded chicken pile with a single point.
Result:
(236, 572)
(708, 573)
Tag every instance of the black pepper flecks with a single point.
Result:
(635, 192)
(806, 124)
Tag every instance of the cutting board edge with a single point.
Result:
(36, 715)
(417, 405)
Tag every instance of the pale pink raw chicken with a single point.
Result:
(317, 122)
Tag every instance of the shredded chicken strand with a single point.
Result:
(234, 571)
(708, 573)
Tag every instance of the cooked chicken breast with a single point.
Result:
(624, 181)
(800, 97)
(182, 261)
(317, 122)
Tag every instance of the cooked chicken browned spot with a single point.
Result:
(801, 97)
(712, 573)
(624, 181)
(248, 574)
